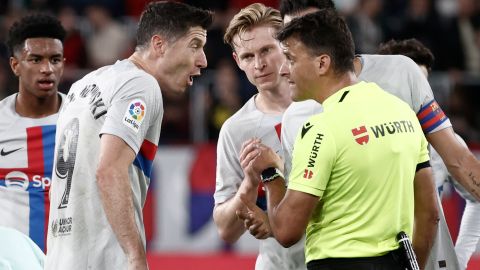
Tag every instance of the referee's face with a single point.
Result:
(299, 69)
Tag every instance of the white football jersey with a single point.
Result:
(26, 161)
(246, 123)
(120, 100)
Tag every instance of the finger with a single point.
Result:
(242, 215)
(262, 235)
(245, 143)
(249, 142)
(259, 233)
(245, 162)
(247, 223)
(246, 150)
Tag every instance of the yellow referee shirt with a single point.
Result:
(359, 157)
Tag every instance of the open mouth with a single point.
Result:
(46, 83)
(190, 79)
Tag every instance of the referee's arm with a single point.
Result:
(426, 213)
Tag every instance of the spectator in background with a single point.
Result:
(421, 21)
(366, 27)
(462, 38)
(225, 97)
(176, 119)
(74, 47)
(108, 41)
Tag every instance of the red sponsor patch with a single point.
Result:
(361, 135)
(308, 174)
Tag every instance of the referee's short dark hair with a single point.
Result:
(171, 20)
(323, 32)
(39, 25)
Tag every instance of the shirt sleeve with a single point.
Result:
(313, 158)
(229, 174)
(134, 107)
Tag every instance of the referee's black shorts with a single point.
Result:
(386, 262)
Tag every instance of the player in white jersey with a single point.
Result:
(107, 137)
(28, 123)
(251, 36)
(443, 252)
(469, 234)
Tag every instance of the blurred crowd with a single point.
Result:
(102, 31)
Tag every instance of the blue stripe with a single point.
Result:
(434, 126)
(143, 164)
(37, 218)
(48, 137)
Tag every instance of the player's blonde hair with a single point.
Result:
(256, 14)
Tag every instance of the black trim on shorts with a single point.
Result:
(389, 261)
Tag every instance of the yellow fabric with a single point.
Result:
(359, 157)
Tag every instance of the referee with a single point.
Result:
(360, 170)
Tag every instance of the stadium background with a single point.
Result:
(180, 230)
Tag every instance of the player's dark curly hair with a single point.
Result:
(171, 20)
(34, 26)
(290, 7)
(411, 48)
(323, 32)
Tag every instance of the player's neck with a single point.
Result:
(140, 62)
(273, 102)
(33, 107)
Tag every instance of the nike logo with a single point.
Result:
(4, 153)
(306, 128)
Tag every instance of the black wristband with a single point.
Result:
(269, 174)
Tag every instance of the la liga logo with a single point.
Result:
(137, 111)
(135, 114)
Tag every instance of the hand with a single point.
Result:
(247, 153)
(254, 219)
(266, 158)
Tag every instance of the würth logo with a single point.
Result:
(361, 135)
(308, 174)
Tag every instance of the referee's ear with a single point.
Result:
(322, 64)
